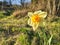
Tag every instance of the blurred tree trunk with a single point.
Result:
(34, 1)
(48, 7)
(2, 6)
(4, 3)
(51, 6)
(22, 3)
(10, 2)
(54, 7)
(58, 7)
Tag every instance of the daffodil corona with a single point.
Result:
(36, 18)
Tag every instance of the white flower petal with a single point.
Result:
(43, 14)
(37, 12)
(30, 22)
(35, 26)
(30, 14)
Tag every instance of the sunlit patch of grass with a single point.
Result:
(2, 15)
(23, 34)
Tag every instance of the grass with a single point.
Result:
(15, 31)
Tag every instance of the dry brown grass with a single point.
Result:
(20, 13)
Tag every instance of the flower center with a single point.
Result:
(35, 18)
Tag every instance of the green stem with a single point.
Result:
(45, 37)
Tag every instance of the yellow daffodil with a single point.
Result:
(36, 18)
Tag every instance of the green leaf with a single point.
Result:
(50, 39)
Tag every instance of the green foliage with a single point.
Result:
(15, 31)
(8, 12)
(2, 15)
(22, 40)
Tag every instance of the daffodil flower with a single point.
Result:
(36, 18)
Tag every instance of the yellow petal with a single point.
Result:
(30, 14)
(37, 12)
(30, 22)
(35, 26)
(43, 14)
